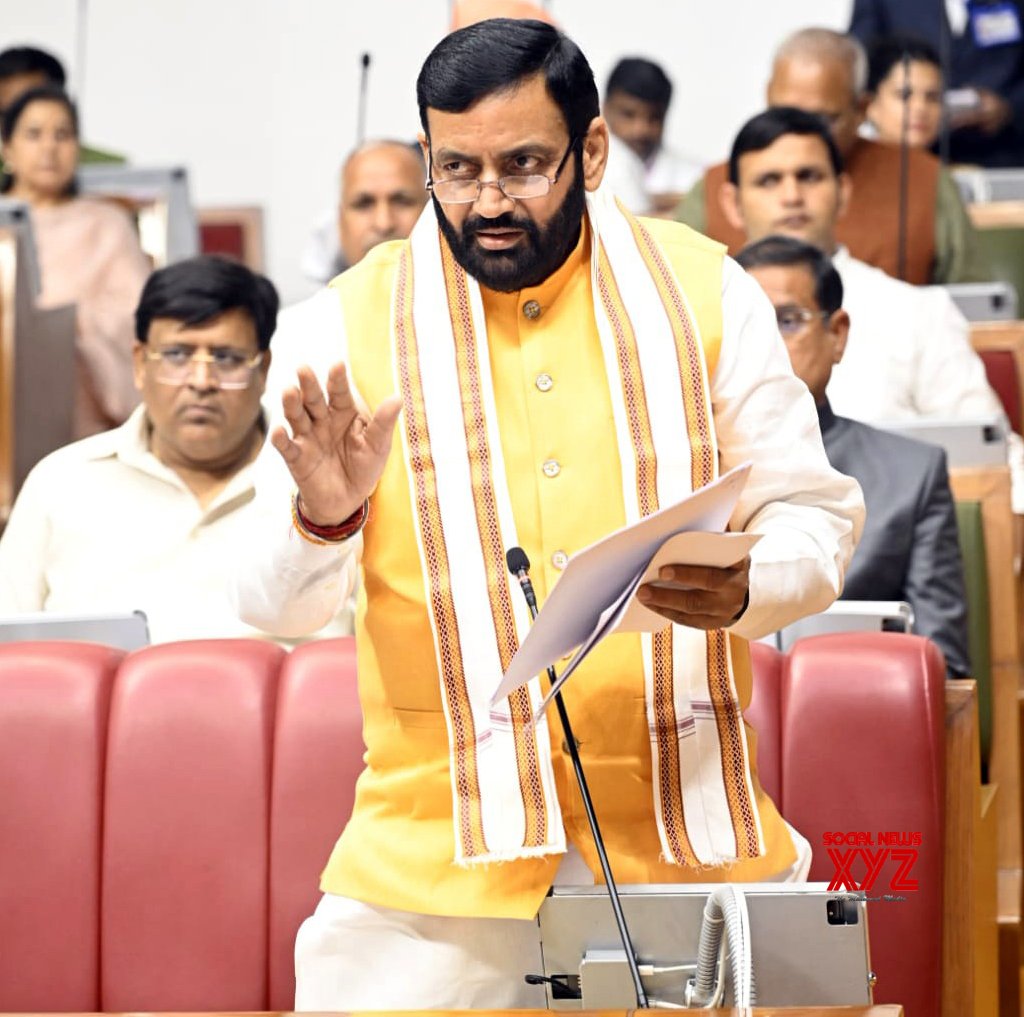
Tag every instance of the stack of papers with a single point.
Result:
(595, 595)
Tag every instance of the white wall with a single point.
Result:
(258, 97)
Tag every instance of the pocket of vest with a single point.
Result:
(429, 719)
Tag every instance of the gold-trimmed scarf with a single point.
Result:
(505, 804)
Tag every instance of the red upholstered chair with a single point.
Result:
(863, 750)
(1001, 370)
(318, 753)
(236, 232)
(230, 770)
(53, 717)
(185, 866)
(1000, 344)
(222, 238)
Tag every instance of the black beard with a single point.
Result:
(541, 252)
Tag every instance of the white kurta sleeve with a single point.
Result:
(283, 583)
(809, 515)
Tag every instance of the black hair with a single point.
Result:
(11, 116)
(789, 252)
(496, 55)
(885, 52)
(44, 93)
(28, 60)
(200, 289)
(642, 79)
(766, 128)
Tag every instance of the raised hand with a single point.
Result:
(699, 596)
(336, 451)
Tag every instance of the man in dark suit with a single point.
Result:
(909, 549)
(986, 50)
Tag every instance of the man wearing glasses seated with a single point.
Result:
(909, 549)
(144, 517)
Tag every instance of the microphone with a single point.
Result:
(519, 565)
(364, 80)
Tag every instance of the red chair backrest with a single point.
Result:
(187, 810)
(864, 749)
(227, 238)
(318, 754)
(54, 699)
(1001, 368)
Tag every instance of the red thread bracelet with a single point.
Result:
(329, 534)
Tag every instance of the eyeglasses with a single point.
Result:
(795, 319)
(465, 190)
(228, 368)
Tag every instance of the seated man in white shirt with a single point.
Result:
(647, 176)
(148, 516)
(909, 353)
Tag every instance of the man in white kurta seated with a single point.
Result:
(636, 101)
(909, 354)
(550, 369)
(148, 516)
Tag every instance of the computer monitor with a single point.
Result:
(849, 616)
(159, 200)
(987, 301)
(979, 185)
(967, 442)
(125, 631)
(809, 946)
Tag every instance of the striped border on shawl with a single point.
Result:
(735, 772)
(691, 370)
(493, 547)
(642, 437)
(469, 826)
(721, 684)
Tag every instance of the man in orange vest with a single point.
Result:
(823, 72)
(556, 379)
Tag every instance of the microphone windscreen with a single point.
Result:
(366, 59)
(515, 558)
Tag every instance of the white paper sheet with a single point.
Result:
(594, 595)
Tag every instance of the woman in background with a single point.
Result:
(88, 251)
(904, 74)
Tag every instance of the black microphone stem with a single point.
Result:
(946, 61)
(364, 78)
(901, 235)
(588, 805)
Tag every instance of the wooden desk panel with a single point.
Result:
(8, 261)
(884, 1010)
(991, 487)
